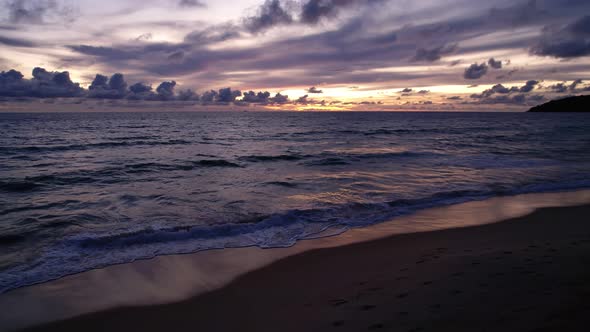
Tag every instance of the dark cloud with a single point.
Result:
(111, 53)
(188, 94)
(37, 11)
(144, 37)
(279, 99)
(256, 98)
(406, 90)
(580, 27)
(140, 88)
(507, 75)
(140, 91)
(44, 84)
(572, 48)
(104, 88)
(166, 90)
(434, 54)
(559, 87)
(573, 87)
(303, 100)
(496, 64)
(214, 34)
(500, 89)
(475, 71)
(270, 14)
(519, 99)
(313, 89)
(191, 3)
(209, 97)
(571, 41)
(529, 86)
(227, 95)
(496, 89)
(16, 42)
(345, 52)
(312, 11)
(423, 92)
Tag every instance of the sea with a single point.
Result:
(80, 191)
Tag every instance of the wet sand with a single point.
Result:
(529, 273)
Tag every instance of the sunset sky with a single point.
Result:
(347, 54)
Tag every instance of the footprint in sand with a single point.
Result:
(376, 326)
(367, 307)
(338, 302)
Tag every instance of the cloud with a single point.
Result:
(208, 97)
(350, 50)
(496, 64)
(475, 71)
(16, 42)
(573, 87)
(519, 99)
(144, 37)
(312, 11)
(279, 99)
(191, 3)
(211, 35)
(104, 88)
(423, 92)
(406, 90)
(38, 11)
(166, 90)
(227, 95)
(188, 94)
(571, 41)
(313, 89)
(559, 87)
(140, 91)
(44, 84)
(529, 86)
(256, 98)
(434, 54)
(270, 14)
(303, 100)
(502, 90)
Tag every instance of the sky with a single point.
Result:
(297, 54)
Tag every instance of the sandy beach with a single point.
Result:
(525, 274)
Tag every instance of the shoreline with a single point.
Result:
(169, 280)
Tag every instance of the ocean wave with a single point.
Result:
(264, 158)
(87, 251)
(282, 184)
(18, 186)
(77, 147)
(330, 161)
(109, 175)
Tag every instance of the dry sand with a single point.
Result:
(530, 273)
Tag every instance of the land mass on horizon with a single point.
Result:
(578, 104)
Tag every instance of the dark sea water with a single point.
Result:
(81, 191)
